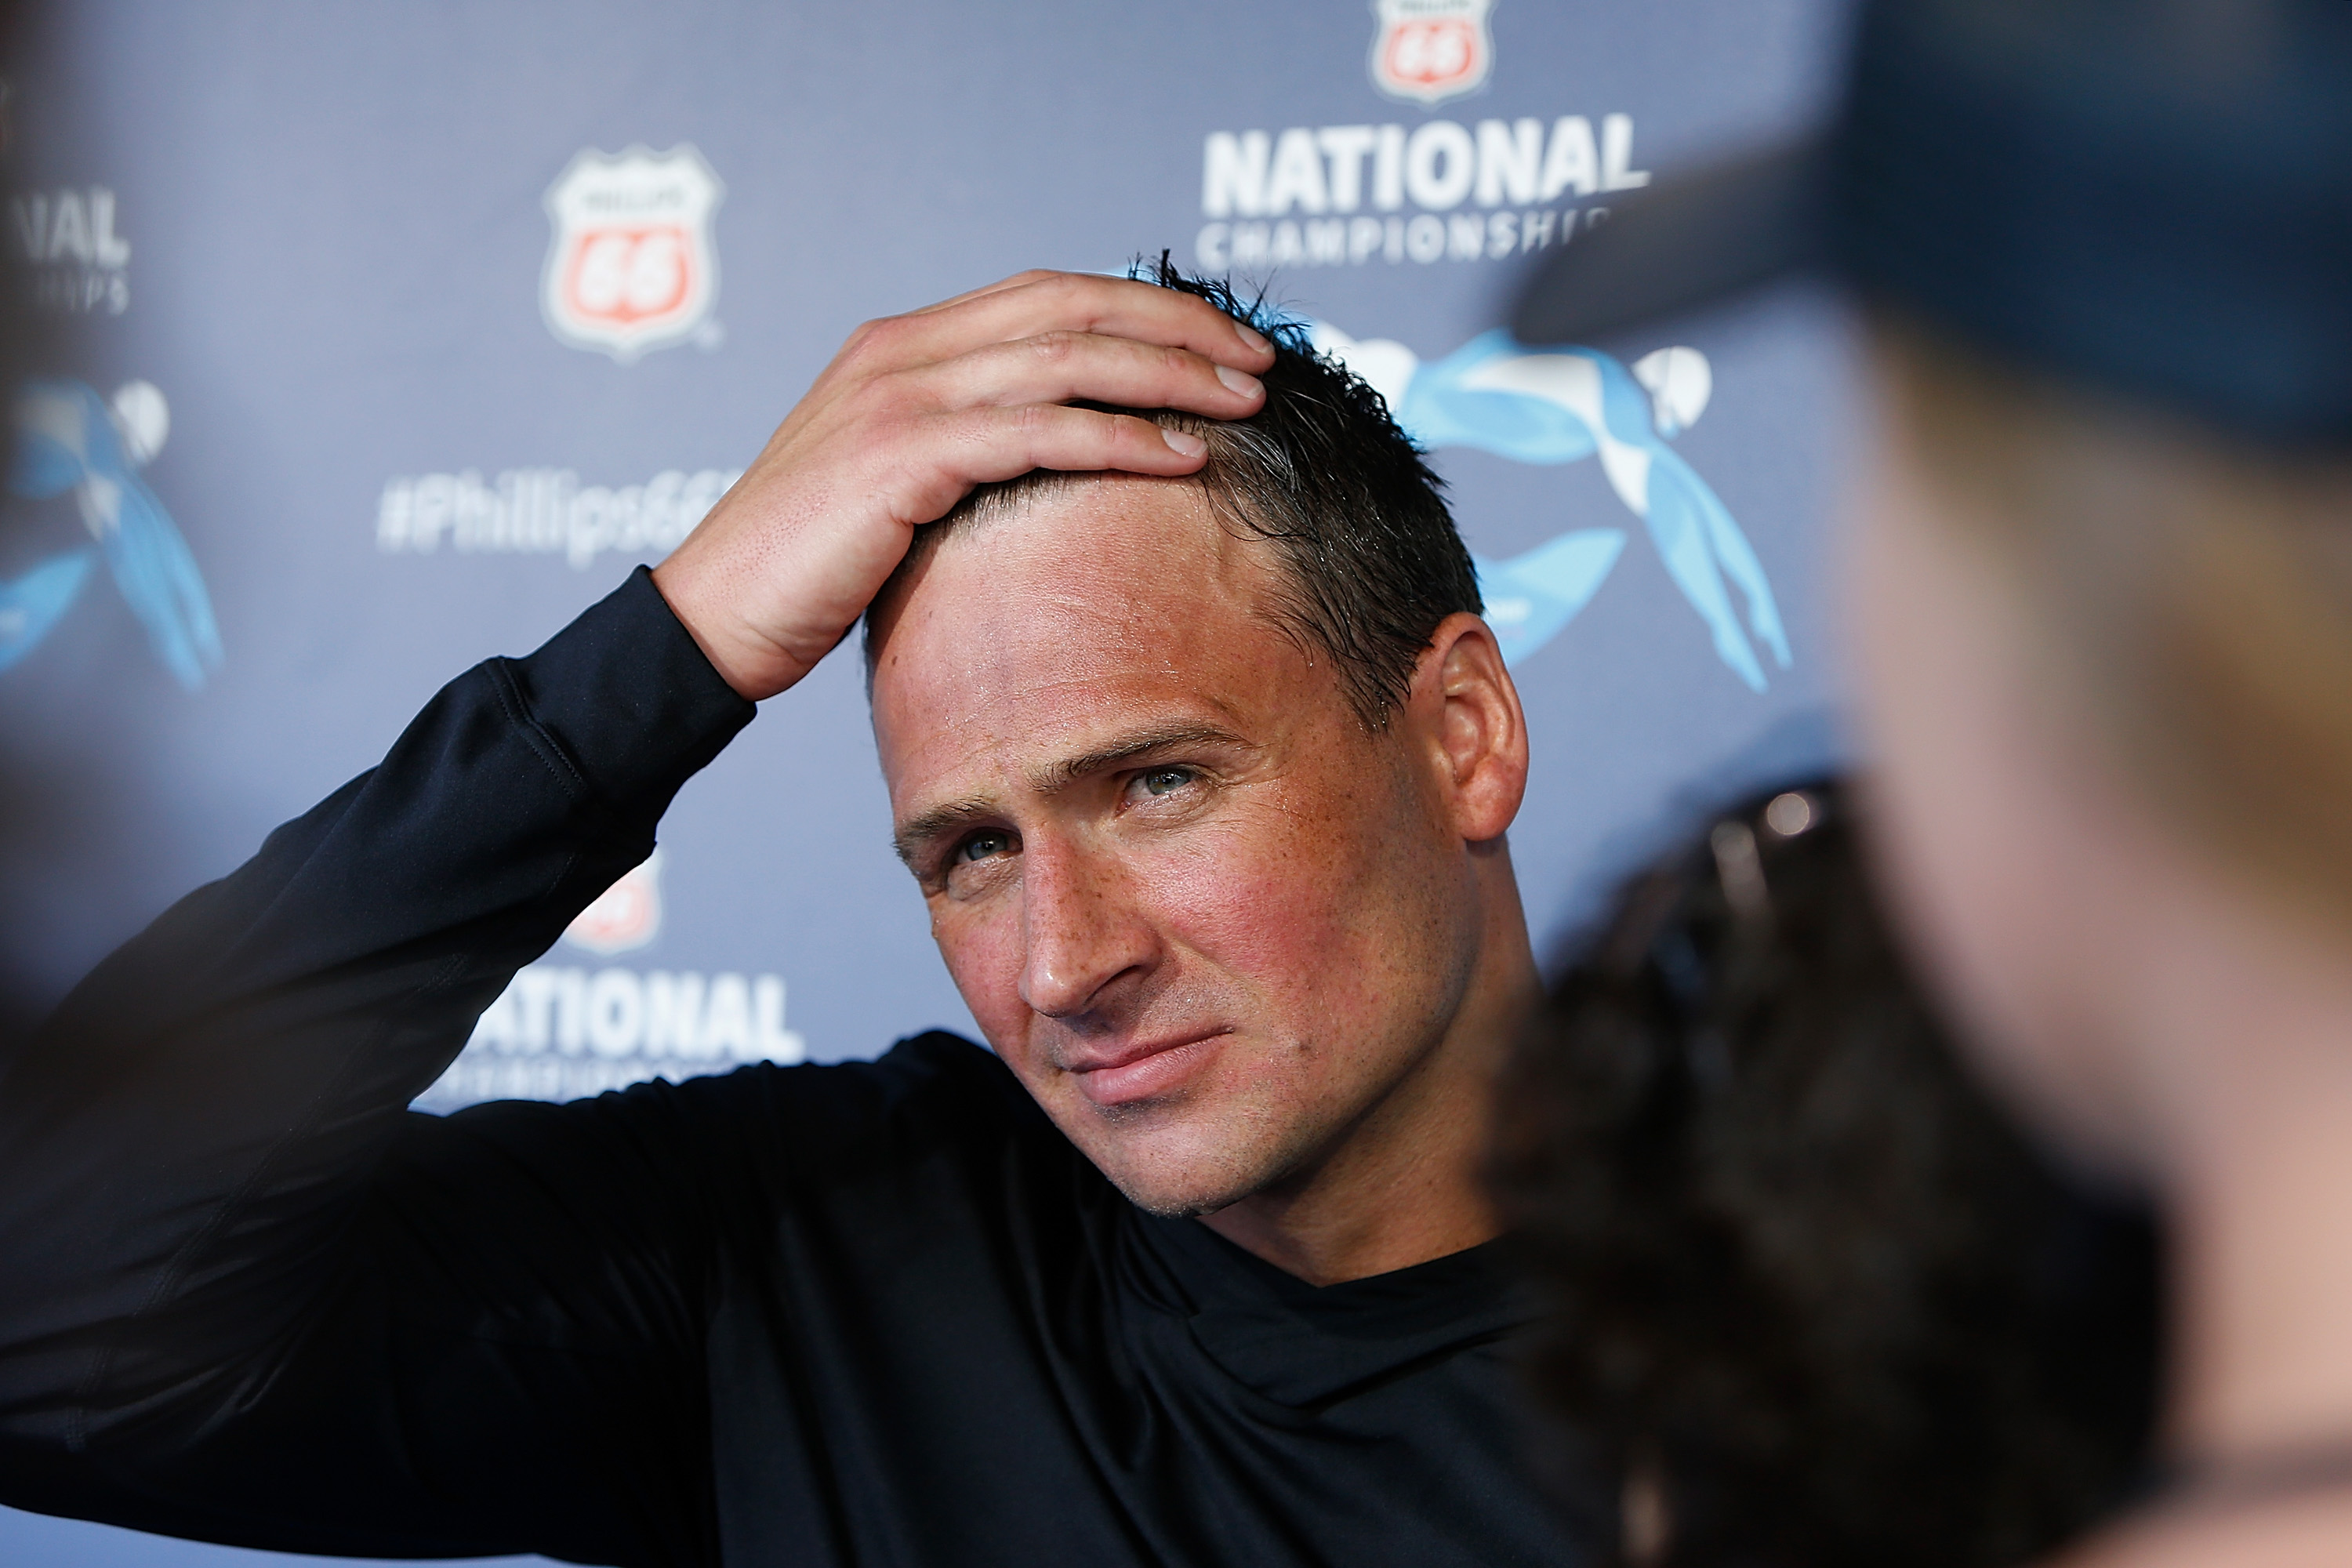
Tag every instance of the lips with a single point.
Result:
(1144, 1071)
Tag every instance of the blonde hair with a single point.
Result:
(2193, 596)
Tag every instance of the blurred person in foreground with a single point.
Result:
(1202, 760)
(1818, 1299)
(2100, 586)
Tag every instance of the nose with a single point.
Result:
(1084, 942)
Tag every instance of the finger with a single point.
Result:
(1035, 274)
(898, 342)
(1076, 302)
(1062, 367)
(994, 444)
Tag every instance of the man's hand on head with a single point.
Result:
(916, 410)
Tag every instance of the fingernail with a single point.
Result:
(1240, 381)
(1183, 443)
(1256, 341)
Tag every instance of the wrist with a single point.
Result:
(748, 663)
(629, 700)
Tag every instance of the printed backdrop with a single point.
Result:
(396, 333)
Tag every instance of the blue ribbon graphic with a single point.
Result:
(1560, 405)
(67, 440)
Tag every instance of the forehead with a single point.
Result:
(1090, 610)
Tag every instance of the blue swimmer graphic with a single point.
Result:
(1560, 405)
(68, 438)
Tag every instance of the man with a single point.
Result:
(1202, 759)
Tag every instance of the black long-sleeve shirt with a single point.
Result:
(872, 1313)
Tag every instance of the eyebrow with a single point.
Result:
(1142, 743)
(1127, 750)
(932, 824)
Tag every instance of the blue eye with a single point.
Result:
(1166, 780)
(980, 846)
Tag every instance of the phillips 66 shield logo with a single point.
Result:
(631, 266)
(1431, 50)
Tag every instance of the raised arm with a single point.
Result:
(191, 1149)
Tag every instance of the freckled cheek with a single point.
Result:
(1265, 903)
(981, 945)
(1282, 938)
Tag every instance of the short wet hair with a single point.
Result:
(1370, 560)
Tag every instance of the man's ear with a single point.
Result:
(1467, 711)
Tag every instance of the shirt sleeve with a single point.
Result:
(246, 1294)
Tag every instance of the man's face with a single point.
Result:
(1209, 920)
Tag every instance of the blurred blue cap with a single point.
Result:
(2153, 197)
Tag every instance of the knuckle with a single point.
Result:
(1070, 294)
(894, 421)
(892, 406)
(919, 389)
(876, 398)
(1055, 347)
(865, 341)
